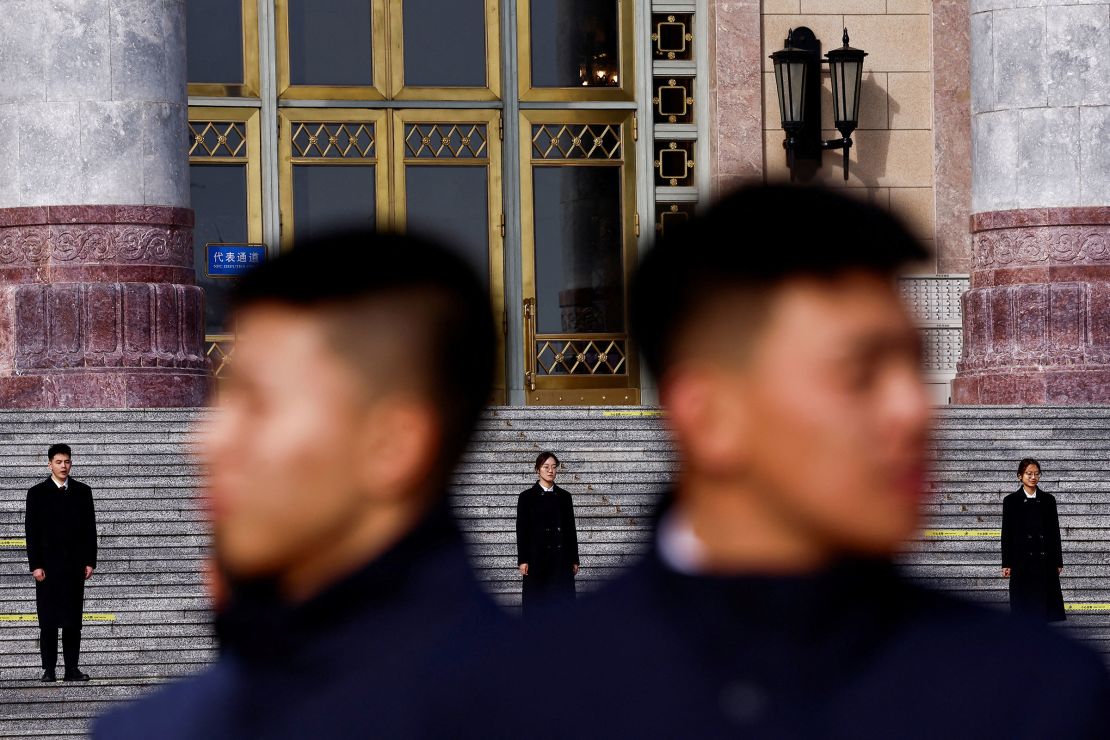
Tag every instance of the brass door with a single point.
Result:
(579, 247)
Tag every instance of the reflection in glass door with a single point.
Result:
(578, 247)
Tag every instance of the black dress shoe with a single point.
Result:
(49, 677)
(75, 676)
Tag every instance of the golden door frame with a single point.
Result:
(593, 387)
(390, 159)
(624, 93)
(387, 55)
(251, 158)
(251, 85)
(288, 118)
(495, 218)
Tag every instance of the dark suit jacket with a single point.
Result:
(61, 539)
(372, 656)
(854, 652)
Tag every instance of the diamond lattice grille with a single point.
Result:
(219, 353)
(575, 141)
(445, 141)
(580, 357)
(217, 139)
(316, 140)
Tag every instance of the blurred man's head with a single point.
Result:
(788, 364)
(361, 364)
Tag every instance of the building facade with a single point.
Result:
(551, 140)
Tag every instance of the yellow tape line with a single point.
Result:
(946, 533)
(35, 618)
(1087, 607)
(13, 543)
(631, 413)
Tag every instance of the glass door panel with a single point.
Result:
(447, 185)
(445, 50)
(331, 49)
(334, 171)
(222, 53)
(575, 50)
(225, 186)
(578, 240)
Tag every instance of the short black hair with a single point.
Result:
(752, 240)
(1025, 463)
(419, 284)
(542, 458)
(58, 449)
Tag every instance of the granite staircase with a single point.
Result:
(147, 615)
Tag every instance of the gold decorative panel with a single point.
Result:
(669, 215)
(672, 36)
(581, 355)
(220, 349)
(333, 140)
(221, 139)
(576, 141)
(674, 163)
(446, 141)
(673, 101)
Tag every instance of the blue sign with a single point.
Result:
(233, 260)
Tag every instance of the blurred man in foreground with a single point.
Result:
(769, 606)
(361, 364)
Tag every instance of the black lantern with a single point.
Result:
(798, 84)
(846, 70)
(796, 66)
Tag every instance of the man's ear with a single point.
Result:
(397, 448)
(709, 415)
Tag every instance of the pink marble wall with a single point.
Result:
(952, 134)
(735, 92)
(1037, 317)
(98, 308)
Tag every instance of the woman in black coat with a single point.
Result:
(546, 540)
(1031, 554)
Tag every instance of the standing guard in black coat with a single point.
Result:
(546, 541)
(61, 549)
(1031, 554)
(362, 362)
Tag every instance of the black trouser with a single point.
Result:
(71, 647)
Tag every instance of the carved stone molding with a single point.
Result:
(99, 308)
(72, 325)
(75, 236)
(1037, 318)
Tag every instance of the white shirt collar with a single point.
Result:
(58, 483)
(1029, 495)
(679, 548)
(545, 488)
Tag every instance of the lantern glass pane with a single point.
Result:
(781, 87)
(797, 90)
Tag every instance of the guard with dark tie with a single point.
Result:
(1032, 557)
(61, 550)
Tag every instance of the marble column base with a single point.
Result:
(1037, 317)
(98, 308)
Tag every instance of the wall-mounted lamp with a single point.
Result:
(798, 83)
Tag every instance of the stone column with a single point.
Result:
(98, 302)
(1037, 317)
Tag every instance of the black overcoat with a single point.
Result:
(546, 539)
(1031, 550)
(61, 539)
(373, 656)
(852, 653)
